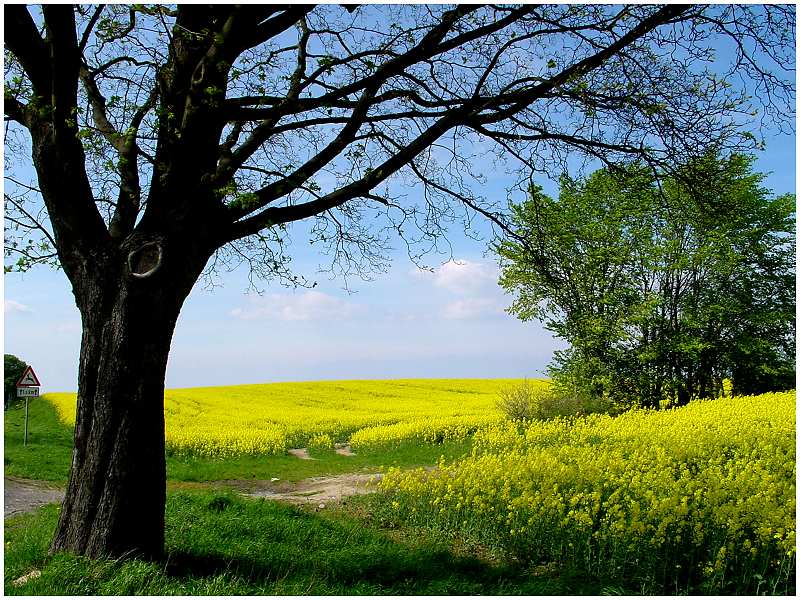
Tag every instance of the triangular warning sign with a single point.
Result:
(28, 378)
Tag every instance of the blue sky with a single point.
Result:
(405, 323)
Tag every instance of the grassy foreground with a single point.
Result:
(221, 544)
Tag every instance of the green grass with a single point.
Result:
(291, 468)
(222, 544)
(49, 449)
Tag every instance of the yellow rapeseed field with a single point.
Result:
(271, 418)
(697, 498)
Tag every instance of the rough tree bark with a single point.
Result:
(129, 286)
(116, 492)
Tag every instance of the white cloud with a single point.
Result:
(12, 306)
(472, 308)
(472, 287)
(464, 276)
(308, 306)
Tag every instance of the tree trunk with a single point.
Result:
(114, 505)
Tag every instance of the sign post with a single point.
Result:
(27, 387)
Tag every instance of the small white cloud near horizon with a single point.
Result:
(472, 308)
(12, 306)
(308, 306)
(463, 276)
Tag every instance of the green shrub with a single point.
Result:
(13, 368)
(527, 401)
(520, 402)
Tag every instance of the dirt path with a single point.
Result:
(25, 495)
(302, 453)
(317, 490)
(344, 450)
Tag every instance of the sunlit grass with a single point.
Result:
(699, 499)
(221, 544)
(49, 450)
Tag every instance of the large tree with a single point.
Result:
(169, 140)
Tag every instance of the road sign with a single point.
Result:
(27, 387)
(28, 378)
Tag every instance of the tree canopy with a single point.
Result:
(13, 368)
(662, 289)
(264, 115)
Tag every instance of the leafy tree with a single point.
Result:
(171, 141)
(661, 290)
(737, 291)
(13, 368)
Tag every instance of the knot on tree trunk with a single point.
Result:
(145, 260)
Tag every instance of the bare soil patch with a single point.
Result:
(315, 490)
(344, 450)
(301, 453)
(25, 495)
